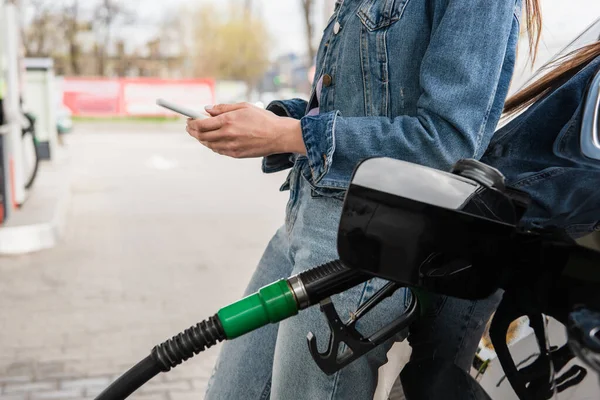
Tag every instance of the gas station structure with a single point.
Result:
(26, 85)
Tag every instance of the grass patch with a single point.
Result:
(126, 119)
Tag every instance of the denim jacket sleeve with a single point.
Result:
(457, 111)
(294, 108)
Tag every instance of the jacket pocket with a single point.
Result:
(538, 177)
(577, 231)
(562, 197)
(377, 18)
(377, 14)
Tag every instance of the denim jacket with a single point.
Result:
(539, 153)
(418, 80)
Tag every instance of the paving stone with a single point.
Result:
(57, 395)
(52, 370)
(93, 391)
(196, 372)
(176, 386)
(28, 387)
(186, 396)
(200, 384)
(150, 396)
(19, 368)
(15, 379)
(23, 396)
(94, 305)
(100, 382)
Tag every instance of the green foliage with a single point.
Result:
(231, 46)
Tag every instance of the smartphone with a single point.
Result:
(181, 110)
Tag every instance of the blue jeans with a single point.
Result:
(274, 362)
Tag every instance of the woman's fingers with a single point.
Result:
(190, 131)
(214, 136)
(225, 108)
(217, 141)
(241, 130)
(224, 147)
(205, 125)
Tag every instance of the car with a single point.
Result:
(486, 367)
(522, 341)
(64, 120)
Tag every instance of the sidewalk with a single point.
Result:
(160, 233)
(40, 221)
(53, 379)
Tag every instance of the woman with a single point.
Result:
(418, 80)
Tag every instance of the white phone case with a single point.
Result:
(181, 110)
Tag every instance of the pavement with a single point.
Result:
(159, 234)
(40, 221)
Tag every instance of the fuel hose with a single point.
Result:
(271, 304)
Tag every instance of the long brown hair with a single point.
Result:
(560, 70)
(533, 14)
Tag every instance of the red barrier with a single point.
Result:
(105, 97)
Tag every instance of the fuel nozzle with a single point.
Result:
(271, 304)
(284, 298)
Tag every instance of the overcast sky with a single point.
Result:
(563, 19)
(283, 19)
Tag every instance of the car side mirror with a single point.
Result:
(590, 126)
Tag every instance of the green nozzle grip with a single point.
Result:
(270, 304)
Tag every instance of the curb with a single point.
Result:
(23, 239)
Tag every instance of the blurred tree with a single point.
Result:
(248, 6)
(107, 15)
(72, 24)
(41, 35)
(235, 47)
(53, 31)
(307, 7)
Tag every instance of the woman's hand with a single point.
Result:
(243, 131)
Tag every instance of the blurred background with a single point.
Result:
(112, 58)
(118, 230)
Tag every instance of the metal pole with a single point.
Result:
(12, 140)
(5, 192)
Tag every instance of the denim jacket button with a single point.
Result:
(336, 28)
(327, 80)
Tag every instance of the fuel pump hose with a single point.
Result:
(271, 304)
